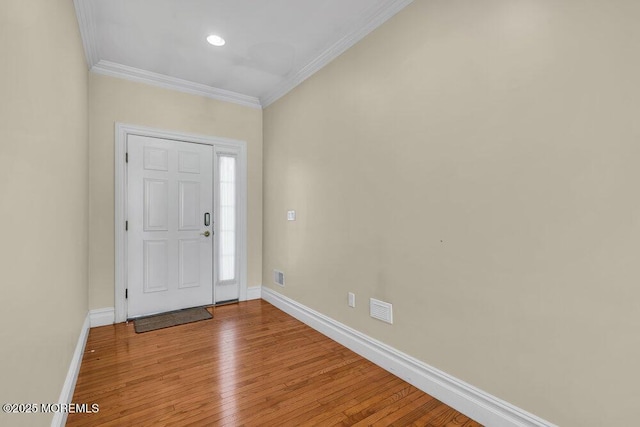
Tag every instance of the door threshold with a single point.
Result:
(227, 302)
(142, 316)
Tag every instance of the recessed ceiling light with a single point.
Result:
(216, 40)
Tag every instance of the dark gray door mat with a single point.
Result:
(173, 318)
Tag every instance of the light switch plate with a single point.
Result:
(291, 215)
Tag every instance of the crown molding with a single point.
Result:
(84, 13)
(113, 69)
(369, 22)
(366, 25)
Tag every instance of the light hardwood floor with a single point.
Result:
(252, 365)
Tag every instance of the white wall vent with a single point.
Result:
(278, 277)
(381, 310)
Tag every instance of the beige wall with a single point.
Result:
(115, 100)
(476, 164)
(44, 200)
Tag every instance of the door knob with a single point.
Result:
(206, 234)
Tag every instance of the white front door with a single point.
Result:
(170, 225)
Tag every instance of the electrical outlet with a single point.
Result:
(291, 215)
(352, 299)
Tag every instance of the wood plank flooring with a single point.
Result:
(251, 365)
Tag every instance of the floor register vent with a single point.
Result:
(381, 310)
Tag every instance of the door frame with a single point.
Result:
(122, 131)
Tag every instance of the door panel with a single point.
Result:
(156, 260)
(156, 159)
(156, 209)
(169, 190)
(189, 162)
(189, 205)
(189, 263)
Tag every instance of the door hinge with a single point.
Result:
(126, 157)
(126, 226)
(126, 293)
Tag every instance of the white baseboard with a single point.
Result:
(254, 292)
(102, 316)
(66, 395)
(475, 403)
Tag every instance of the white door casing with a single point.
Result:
(223, 289)
(169, 247)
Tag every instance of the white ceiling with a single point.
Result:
(272, 45)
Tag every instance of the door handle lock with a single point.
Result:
(206, 234)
